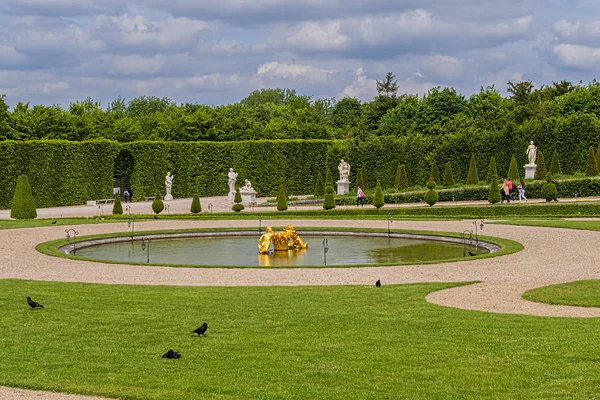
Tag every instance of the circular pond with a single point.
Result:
(240, 249)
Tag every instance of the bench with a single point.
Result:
(149, 198)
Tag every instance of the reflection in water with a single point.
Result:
(234, 251)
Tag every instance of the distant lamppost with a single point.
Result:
(259, 223)
(477, 222)
(325, 250)
(464, 238)
(101, 208)
(210, 207)
(75, 233)
(390, 220)
(146, 246)
(131, 224)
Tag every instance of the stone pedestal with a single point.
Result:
(248, 197)
(343, 187)
(530, 171)
(168, 197)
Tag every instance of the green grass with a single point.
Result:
(52, 247)
(560, 223)
(346, 342)
(35, 223)
(579, 293)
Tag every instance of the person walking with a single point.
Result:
(126, 195)
(360, 197)
(505, 191)
(521, 188)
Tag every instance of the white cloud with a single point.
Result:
(56, 87)
(293, 72)
(64, 7)
(576, 56)
(134, 64)
(363, 88)
(578, 32)
(311, 35)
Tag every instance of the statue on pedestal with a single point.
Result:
(344, 169)
(231, 178)
(532, 153)
(169, 185)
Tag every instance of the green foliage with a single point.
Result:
(117, 207)
(541, 170)
(360, 183)
(592, 165)
(431, 196)
(196, 206)
(435, 175)
(158, 205)
(238, 206)
(472, 175)
(401, 178)
(513, 171)
(448, 175)
(319, 186)
(555, 165)
(494, 195)
(492, 174)
(328, 177)
(282, 204)
(378, 200)
(329, 201)
(598, 157)
(549, 191)
(23, 204)
(363, 177)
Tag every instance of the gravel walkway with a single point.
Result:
(550, 256)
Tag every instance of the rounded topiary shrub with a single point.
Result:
(238, 206)
(549, 191)
(282, 204)
(157, 205)
(329, 202)
(117, 207)
(23, 205)
(196, 207)
(431, 196)
(378, 199)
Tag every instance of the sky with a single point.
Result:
(218, 51)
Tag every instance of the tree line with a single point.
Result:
(285, 114)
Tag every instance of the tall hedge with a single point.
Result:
(513, 171)
(592, 165)
(492, 173)
(23, 204)
(435, 174)
(401, 178)
(448, 175)
(555, 169)
(360, 183)
(541, 171)
(598, 156)
(472, 175)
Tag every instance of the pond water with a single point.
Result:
(243, 251)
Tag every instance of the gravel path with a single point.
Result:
(551, 256)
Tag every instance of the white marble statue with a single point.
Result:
(169, 184)
(232, 177)
(532, 153)
(248, 187)
(344, 169)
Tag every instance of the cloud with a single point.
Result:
(63, 7)
(362, 87)
(587, 33)
(293, 72)
(576, 56)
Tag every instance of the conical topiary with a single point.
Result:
(555, 169)
(598, 157)
(328, 177)
(592, 165)
(378, 199)
(472, 176)
(282, 199)
(157, 205)
(117, 207)
(541, 170)
(319, 186)
(448, 175)
(492, 174)
(435, 175)
(238, 206)
(513, 171)
(363, 175)
(329, 200)
(196, 207)
(431, 196)
(360, 183)
(23, 205)
(401, 178)
(494, 195)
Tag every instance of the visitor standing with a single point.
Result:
(360, 197)
(522, 190)
(505, 191)
(126, 195)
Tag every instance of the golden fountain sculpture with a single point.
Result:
(288, 239)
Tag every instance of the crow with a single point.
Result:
(171, 354)
(472, 254)
(378, 283)
(54, 222)
(33, 304)
(202, 329)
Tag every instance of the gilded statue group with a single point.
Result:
(288, 239)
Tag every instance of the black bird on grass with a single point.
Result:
(378, 283)
(472, 254)
(202, 329)
(54, 222)
(33, 304)
(171, 354)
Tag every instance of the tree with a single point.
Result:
(329, 201)
(541, 170)
(282, 199)
(389, 86)
(401, 178)
(5, 121)
(319, 186)
(592, 164)
(23, 204)
(117, 207)
(157, 205)
(492, 174)
(435, 175)
(328, 177)
(431, 196)
(378, 199)
(448, 175)
(521, 91)
(494, 195)
(472, 175)
(555, 169)
(196, 206)
(513, 172)
(237, 199)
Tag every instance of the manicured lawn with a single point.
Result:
(593, 225)
(346, 342)
(34, 223)
(579, 293)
